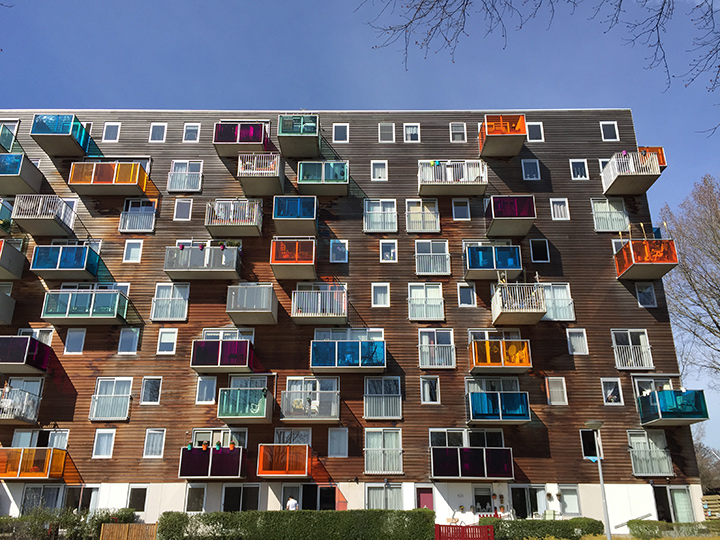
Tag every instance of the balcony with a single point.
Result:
(436, 355)
(502, 135)
(486, 262)
(169, 309)
(278, 460)
(60, 135)
(32, 463)
(500, 356)
(19, 175)
(74, 263)
(230, 138)
(647, 462)
(223, 356)
(299, 135)
(104, 408)
(5, 217)
(310, 406)
(83, 307)
(347, 356)
(456, 178)
(230, 218)
(426, 309)
(379, 221)
(645, 260)
(19, 407)
(202, 262)
(252, 303)
(471, 463)
(319, 307)
(293, 259)
(261, 174)
(498, 407)
(23, 355)
(672, 408)
(212, 463)
(295, 215)
(518, 303)
(630, 173)
(323, 177)
(382, 407)
(245, 405)
(633, 357)
(137, 222)
(44, 215)
(12, 262)
(110, 178)
(432, 264)
(510, 215)
(7, 308)
(424, 221)
(657, 150)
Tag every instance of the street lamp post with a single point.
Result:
(595, 426)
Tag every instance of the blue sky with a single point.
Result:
(314, 54)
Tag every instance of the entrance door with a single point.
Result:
(424, 498)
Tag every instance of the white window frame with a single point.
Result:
(569, 331)
(112, 445)
(383, 430)
(142, 390)
(133, 330)
(347, 128)
(125, 251)
(75, 331)
(369, 486)
(598, 444)
(525, 172)
(617, 380)
(570, 487)
(137, 486)
(602, 162)
(556, 217)
(379, 132)
(468, 285)
(150, 133)
(342, 243)
(585, 164)
(162, 449)
(44, 335)
(464, 132)
(532, 251)
(170, 331)
(394, 243)
(338, 430)
(375, 285)
(564, 387)
(178, 201)
(651, 285)
(195, 485)
(197, 390)
(405, 133)
(185, 127)
(542, 131)
(435, 378)
(617, 131)
(105, 127)
(373, 162)
(461, 201)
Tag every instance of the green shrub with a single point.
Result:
(95, 520)
(172, 525)
(570, 529)
(588, 526)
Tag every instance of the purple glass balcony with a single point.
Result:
(472, 463)
(231, 137)
(213, 356)
(24, 355)
(211, 463)
(510, 215)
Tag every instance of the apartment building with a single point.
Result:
(216, 310)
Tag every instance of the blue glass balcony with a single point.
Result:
(295, 215)
(499, 407)
(339, 356)
(18, 175)
(323, 177)
(83, 307)
(484, 262)
(299, 135)
(211, 463)
(672, 408)
(60, 135)
(65, 262)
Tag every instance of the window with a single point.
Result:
(556, 391)
(150, 391)
(602, 162)
(632, 349)
(579, 169)
(74, 341)
(609, 215)
(241, 497)
(531, 169)
(185, 175)
(558, 301)
(612, 391)
(644, 386)
(609, 131)
(338, 251)
(466, 295)
(224, 436)
(138, 215)
(569, 500)
(133, 251)
(111, 132)
(422, 215)
(205, 389)
(195, 498)
(229, 334)
(42, 438)
(183, 210)
(380, 215)
(128, 342)
(104, 442)
(432, 257)
(383, 451)
(591, 444)
(170, 302)
(380, 295)
(157, 132)
(645, 292)
(649, 453)
(191, 132)
(154, 443)
(430, 390)
(577, 341)
(388, 251)
(384, 497)
(341, 133)
(461, 209)
(167, 338)
(386, 132)
(338, 442)
(436, 347)
(43, 335)
(379, 170)
(293, 436)
(46, 496)
(535, 132)
(458, 132)
(539, 250)
(137, 496)
(425, 302)
(559, 209)
(411, 133)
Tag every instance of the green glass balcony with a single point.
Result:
(245, 405)
(83, 307)
(323, 177)
(60, 135)
(8, 142)
(672, 408)
(299, 135)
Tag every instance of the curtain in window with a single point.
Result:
(103, 444)
(577, 342)
(375, 498)
(393, 497)
(556, 391)
(560, 209)
(337, 442)
(682, 507)
(154, 440)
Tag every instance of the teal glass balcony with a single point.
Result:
(484, 262)
(498, 407)
(202, 262)
(8, 142)
(672, 408)
(12, 261)
(18, 175)
(323, 177)
(83, 307)
(5, 217)
(351, 355)
(60, 135)
(295, 215)
(245, 405)
(299, 135)
(65, 262)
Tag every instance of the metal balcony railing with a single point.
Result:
(319, 303)
(106, 408)
(43, 207)
(184, 181)
(310, 405)
(137, 222)
(267, 165)
(241, 212)
(436, 355)
(629, 163)
(18, 404)
(470, 172)
(633, 357)
(426, 309)
(426, 221)
(432, 264)
(377, 222)
(379, 406)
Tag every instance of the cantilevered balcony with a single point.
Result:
(44, 215)
(12, 261)
(202, 262)
(295, 215)
(223, 356)
(426, 309)
(227, 218)
(310, 405)
(252, 303)
(18, 175)
(5, 217)
(630, 173)
(651, 462)
(518, 303)
(471, 463)
(210, 464)
(110, 178)
(299, 135)
(32, 463)
(347, 356)
(83, 307)
(72, 263)
(231, 137)
(498, 407)
(319, 307)
(23, 355)
(510, 215)
(19, 407)
(447, 177)
(279, 460)
(292, 258)
(261, 174)
(323, 177)
(672, 408)
(60, 135)
(8, 141)
(245, 405)
(485, 262)
(659, 151)
(109, 408)
(502, 135)
(645, 260)
(500, 356)
(7, 308)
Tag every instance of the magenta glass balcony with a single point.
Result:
(211, 463)
(24, 355)
(471, 463)
(230, 137)
(236, 355)
(510, 215)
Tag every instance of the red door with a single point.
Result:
(424, 498)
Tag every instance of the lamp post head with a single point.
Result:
(595, 425)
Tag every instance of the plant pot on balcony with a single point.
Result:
(232, 446)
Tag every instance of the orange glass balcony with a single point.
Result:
(109, 178)
(502, 135)
(657, 150)
(292, 258)
(277, 460)
(32, 463)
(507, 355)
(645, 259)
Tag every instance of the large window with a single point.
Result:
(383, 451)
(383, 400)
(380, 215)
(609, 215)
(240, 497)
(384, 497)
(425, 302)
(432, 257)
(632, 349)
(559, 303)
(436, 348)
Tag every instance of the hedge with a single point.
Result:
(299, 525)
(42, 523)
(570, 529)
(647, 530)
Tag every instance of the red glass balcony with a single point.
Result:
(32, 463)
(24, 355)
(502, 135)
(455, 462)
(293, 258)
(11, 262)
(278, 460)
(211, 463)
(213, 356)
(499, 356)
(230, 137)
(645, 259)
(510, 215)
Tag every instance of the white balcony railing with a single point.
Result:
(242, 212)
(432, 264)
(137, 222)
(610, 221)
(319, 303)
(426, 309)
(184, 181)
(110, 408)
(647, 462)
(629, 163)
(258, 165)
(43, 207)
(17, 404)
(169, 309)
(633, 357)
(452, 172)
(377, 222)
(519, 298)
(560, 309)
(383, 461)
(379, 407)
(309, 405)
(437, 356)
(422, 222)
(250, 297)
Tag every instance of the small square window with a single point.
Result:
(167, 338)
(386, 132)
(128, 342)
(579, 169)
(612, 392)
(539, 250)
(137, 496)
(195, 498)
(609, 131)
(591, 443)
(154, 443)
(338, 251)
(430, 390)
(75, 341)
(133, 251)
(341, 133)
(183, 210)
(466, 295)
(458, 132)
(645, 292)
(602, 162)
(380, 295)
(150, 391)
(111, 132)
(191, 132)
(104, 442)
(559, 209)
(411, 133)
(577, 340)
(206, 389)
(461, 209)
(388, 251)
(535, 132)
(531, 169)
(338, 442)
(157, 132)
(556, 391)
(379, 170)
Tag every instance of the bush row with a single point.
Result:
(570, 529)
(41, 523)
(646, 530)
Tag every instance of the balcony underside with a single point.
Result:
(12, 262)
(510, 227)
(502, 145)
(454, 190)
(7, 309)
(631, 184)
(59, 144)
(319, 319)
(498, 422)
(262, 186)
(109, 189)
(491, 273)
(232, 149)
(27, 180)
(517, 318)
(254, 317)
(647, 271)
(234, 230)
(323, 188)
(204, 273)
(295, 227)
(299, 146)
(65, 275)
(95, 320)
(15, 420)
(670, 422)
(294, 271)
(50, 226)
